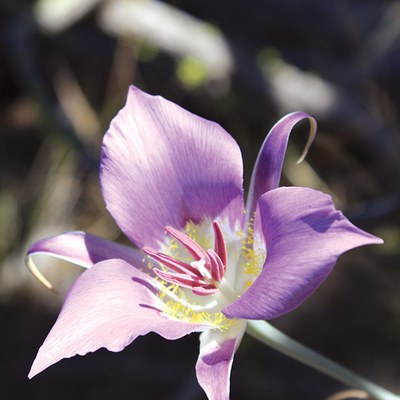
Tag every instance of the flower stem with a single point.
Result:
(267, 334)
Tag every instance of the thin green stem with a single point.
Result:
(267, 334)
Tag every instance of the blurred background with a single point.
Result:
(65, 66)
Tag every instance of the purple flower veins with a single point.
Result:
(207, 262)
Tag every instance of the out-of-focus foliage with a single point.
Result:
(64, 70)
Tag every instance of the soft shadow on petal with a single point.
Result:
(108, 306)
(162, 165)
(268, 167)
(304, 236)
(214, 364)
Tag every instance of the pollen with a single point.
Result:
(183, 311)
(202, 236)
(253, 255)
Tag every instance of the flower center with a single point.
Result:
(204, 274)
(196, 281)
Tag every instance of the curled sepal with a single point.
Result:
(79, 248)
(268, 167)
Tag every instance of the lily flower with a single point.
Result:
(205, 262)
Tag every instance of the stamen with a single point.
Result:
(194, 249)
(199, 286)
(172, 263)
(205, 290)
(183, 280)
(217, 268)
(219, 243)
(202, 275)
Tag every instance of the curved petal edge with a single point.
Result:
(304, 235)
(109, 305)
(214, 364)
(162, 165)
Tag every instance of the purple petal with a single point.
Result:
(304, 236)
(82, 249)
(162, 165)
(214, 364)
(268, 168)
(108, 306)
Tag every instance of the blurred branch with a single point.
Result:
(54, 16)
(80, 114)
(171, 30)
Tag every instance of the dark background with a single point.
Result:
(61, 82)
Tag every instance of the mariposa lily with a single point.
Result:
(205, 262)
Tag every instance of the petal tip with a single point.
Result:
(38, 366)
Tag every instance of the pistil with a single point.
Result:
(204, 274)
